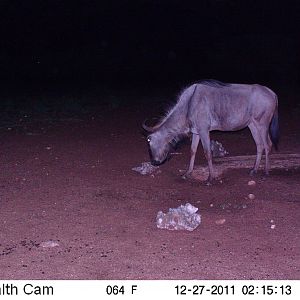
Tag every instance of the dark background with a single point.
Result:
(78, 78)
(148, 42)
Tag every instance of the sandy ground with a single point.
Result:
(72, 208)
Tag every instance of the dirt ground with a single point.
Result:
(70, 182)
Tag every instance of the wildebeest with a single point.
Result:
(213, 105)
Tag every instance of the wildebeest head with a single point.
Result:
(159, 148)
(160, 143)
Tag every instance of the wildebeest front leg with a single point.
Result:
(194, 146)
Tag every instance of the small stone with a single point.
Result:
(220, 221)
(251, 183)
(49, 244)
(251, 196)
(273, 226)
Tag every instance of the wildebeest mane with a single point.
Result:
(214, 83)
(183, 102)
(209, 82)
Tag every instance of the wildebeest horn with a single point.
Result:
(149, 128)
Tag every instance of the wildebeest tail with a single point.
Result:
(274, 128)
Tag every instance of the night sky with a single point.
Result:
(149, 41)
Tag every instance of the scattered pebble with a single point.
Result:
(48, 148)
(220, 221)
(230, 206)
(211, 205)
(272, 224)
(251, 196)
(49, 244)
(251, 183)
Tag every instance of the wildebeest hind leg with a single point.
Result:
(259, 146)
(264, 132)
(205, 140)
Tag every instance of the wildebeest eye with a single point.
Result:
(148, 139)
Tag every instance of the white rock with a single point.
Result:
(145, 168)
(182, 218)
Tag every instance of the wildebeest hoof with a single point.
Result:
(187, 175)
(211, 181)
(208, 182)
(253, 172)
(266, 175)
